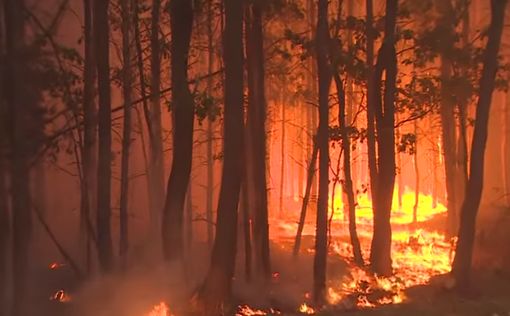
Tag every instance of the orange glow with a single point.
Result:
(55, 265)
(418, 253)
(305, 309)
(160, 309)
(61, 296)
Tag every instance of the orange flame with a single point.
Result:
(60, 296)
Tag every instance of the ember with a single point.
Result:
(60, 296)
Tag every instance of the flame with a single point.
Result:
(245, 310)
(160, 309)
(60, 296)
(418, 253)
(305, 309)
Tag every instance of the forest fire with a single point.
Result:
(418, 253)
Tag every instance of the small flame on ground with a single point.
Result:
(161, 309)
(60, 296)
(305, 309)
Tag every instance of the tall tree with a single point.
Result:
(257, 136)
(127, 92)
(181, 14)
(218, 283)
(384, 112)
(210, 123)
(89, 159)
(20, 107)
(462, 262)
(324, 81)
(102, 40)
(446, 24)
(5, 226)
(156, 171)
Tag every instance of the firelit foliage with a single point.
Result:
(206, 106)
(407, 143)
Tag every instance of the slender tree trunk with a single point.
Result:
(210, 124)
(417, 175)
(372, 158)
(181, 14)
(348, 185)
(257, 135)
(324, 80)
(127, 91)
(506, 149)
(102, 38)
(246, 220)
(282, 158)
(447, 112)
(18, 105)
(189, 216)
(156, 166)
(5, 223)
(218, 283)
(464, 252)
(380, 252)
(306, 198)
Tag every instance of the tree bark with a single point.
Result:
(324, 80)
(5, 220)
(306, 198)
(19, 126)
(257, 138)
(210, 123)
(127, 91)
(102, 38)
(156, 166)
(348, 183)
(218, 283)
(181, 14)
(447, 112)
(380, 252)
(464, 252)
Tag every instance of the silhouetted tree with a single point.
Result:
(127, 92)
(89, 158)
(156, 171)
(324, 81)
(181, 14)
(384, 112)
(102, 38)
(256, 132)
(218, 283)
(464, 251)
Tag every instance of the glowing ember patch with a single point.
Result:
(305, 309)
(161, 309)
(248, 311)
(60, 296)
(55, 265)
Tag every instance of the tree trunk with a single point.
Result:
(348, 185)
(156, 166)
(447, 123)
(218, 283)
(380, 252)
(306, 198)
(464, 252)
(102, 38)
(89, 134)
(210, 123)
(324, 80)
(127, 83)
(257, 138)
(417, 175)
(246, 228)
(5, 224)
(181, 14)
(19, 127)
(282, 158)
